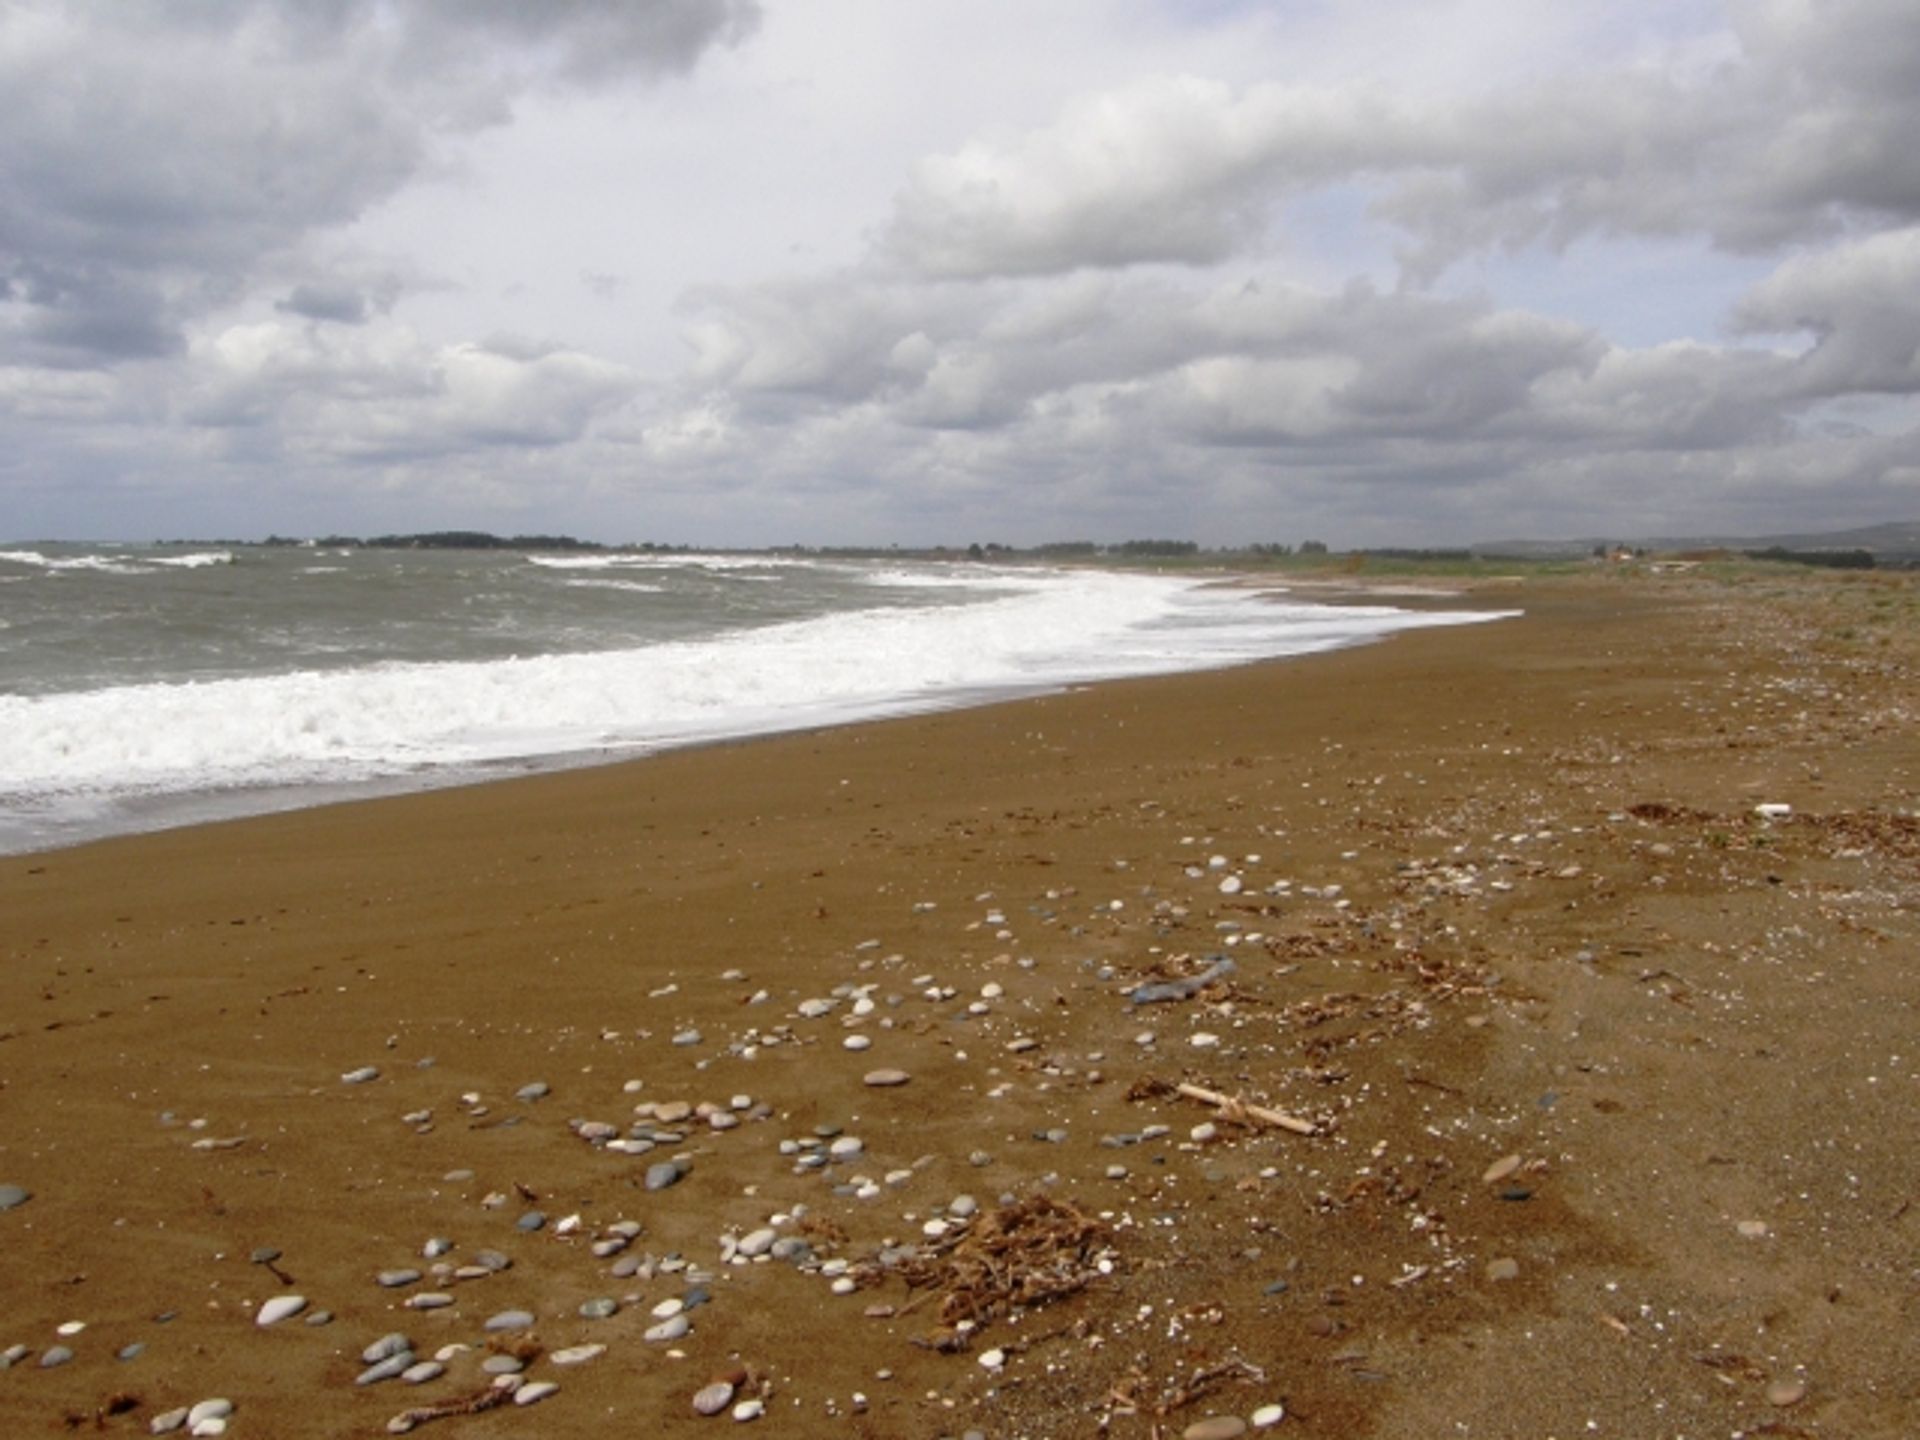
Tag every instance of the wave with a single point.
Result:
(117, 564)
(399, 718)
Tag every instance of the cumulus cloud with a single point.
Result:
(153, 158)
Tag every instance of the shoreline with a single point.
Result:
(131, 812)
(1511, 898)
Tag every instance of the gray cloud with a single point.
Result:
(153, 158)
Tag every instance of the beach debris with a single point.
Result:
(1022, 1255)
(1160, 991)
(485, 1398)
(1231, 1107)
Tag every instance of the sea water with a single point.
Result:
(147, 686)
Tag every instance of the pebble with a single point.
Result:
(857, 1042)
(1753, 1229)
(749, 1410)
(385, 1348)
(429, 1300)
(167, 1421)
(281, 1307)
(672, 1328)
(392, 1365)
(531, 1221)
(663, 1174)
(602, 1308)
(1215, 1427)
(361, 1076)
(13, 1355)
(538, 1090)
(421, 1372)
(1268, 1416)
(577, 1354)
(1783, 1393)
(12, 1197)
(993, 1359)
(215, 1409)
(846, 1147)
(511, 1320)
(536, 1392)
(1501, 1169)
(394, 1279)
(884, 1079)
(502, 1365)
(55, 1355)
(757, 1242)
(712, 1399)
(1505, 1268)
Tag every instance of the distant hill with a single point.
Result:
(1896, 541)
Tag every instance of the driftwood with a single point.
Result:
(1018, 1257)
(1231, 1107)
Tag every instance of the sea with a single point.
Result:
(149, 686)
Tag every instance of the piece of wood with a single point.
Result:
(1257, 1112)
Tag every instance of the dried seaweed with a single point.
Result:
(1020, 1256)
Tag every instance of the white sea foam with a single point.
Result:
(69, 752)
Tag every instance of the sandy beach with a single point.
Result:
(1581, 946)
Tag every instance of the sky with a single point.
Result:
(772, 272)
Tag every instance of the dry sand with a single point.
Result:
(1511, 899)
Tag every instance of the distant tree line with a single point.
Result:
(1832, 559)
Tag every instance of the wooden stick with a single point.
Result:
(1258, 1112)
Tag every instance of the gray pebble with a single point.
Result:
(601, 1308)
(511, 1320)
(538, 1090)
(13, 1196)
(394, 1279)
(503, 1365)
(392, 1365)
(167, 1421)
(385, 1347)
(663, 1174)
(687, 1037)
(421, 1373)
(492, 1260)
(131, 1352)
(56, 1355)
(361, 1076)
(536, 1392)
(714, 1398)
(671, 1328)
(531, 1221)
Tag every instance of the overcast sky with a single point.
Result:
(773, 271)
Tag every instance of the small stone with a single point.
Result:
(577, 1354)
(846, 1147)
(530, 1222)
(663, 1174)
(502, 1365)
(993, 1359)
(749, 1410)
(672, 1328)
(361, 1076)
(394, 1279)
(386, 1369)
(538, 1090)
(281, 1307)
(1215, 1427)
(1203, 1040)
(384, 1348)
(131, 1352)
(712, 1399)
(429, 1300)
(1501, 1169)
(1785, 1392)
(757, 1242)
(1753, 1229)
(1268, 1416)
(536, 1392)
(55, 1355)
(167, 1421)
(510, 1320)
(885, 1079)
(600, 1308)
(857, 1042)
(421, 1372)
(1505, 1268)
(215, 1409)
(13, 1355)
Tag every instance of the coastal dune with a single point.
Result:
(804, 1077)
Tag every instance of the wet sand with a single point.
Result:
(1492, 894)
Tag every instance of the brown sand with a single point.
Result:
(1560, 933)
